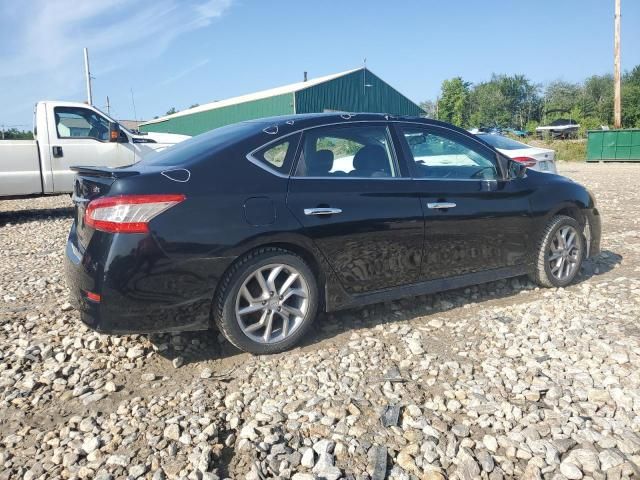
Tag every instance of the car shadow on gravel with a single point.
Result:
(334, 329)
(193, 347)
(599, 265)
(25, 216)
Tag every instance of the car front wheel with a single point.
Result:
(267, 301)
(560, 252)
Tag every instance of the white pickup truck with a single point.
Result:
(69, 134)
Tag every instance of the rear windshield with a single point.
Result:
(201, 146)
(505, 143)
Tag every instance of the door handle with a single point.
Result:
(441, 205)
(322, 211)
(57, 151)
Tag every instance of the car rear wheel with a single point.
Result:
(560, 252)
(266, 301)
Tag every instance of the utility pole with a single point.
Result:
(87, 74)
(133, 102)
(108, 106)
(617, 102)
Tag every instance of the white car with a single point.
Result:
(540, 159)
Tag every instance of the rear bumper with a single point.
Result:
(142, 290)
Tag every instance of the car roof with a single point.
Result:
(308, 120)
(283, 125)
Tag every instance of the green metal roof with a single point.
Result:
(357, 90)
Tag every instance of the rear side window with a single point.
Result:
(276, 156)
(354, 151)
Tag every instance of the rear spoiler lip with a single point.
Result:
(103, 172)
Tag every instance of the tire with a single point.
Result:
(546, 268)
(232, 300)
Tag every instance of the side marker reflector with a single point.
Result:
(94, 297)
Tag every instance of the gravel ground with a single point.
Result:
(504, 380)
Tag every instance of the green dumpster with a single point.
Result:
(613, 145)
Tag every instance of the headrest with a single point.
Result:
(371, 158)
(321, 163)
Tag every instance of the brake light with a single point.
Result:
(128, 213)
(526, 161)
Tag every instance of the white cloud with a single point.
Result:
(52, 33)
(42, 54)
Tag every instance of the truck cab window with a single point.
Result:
(74, 122)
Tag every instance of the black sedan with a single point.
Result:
(257, 226)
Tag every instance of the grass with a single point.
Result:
(566, 150)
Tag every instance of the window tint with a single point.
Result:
(73, 122)
(358, 152)
(444, 157)
(275, 155)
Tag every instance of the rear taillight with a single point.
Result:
(526, 161)
(127, 213)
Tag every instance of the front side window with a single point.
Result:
(73, 122)
(352, 151)
(442, 156)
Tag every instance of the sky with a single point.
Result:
(158, 54)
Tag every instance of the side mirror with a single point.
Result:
(114, 132)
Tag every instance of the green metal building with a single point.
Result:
(356, 90)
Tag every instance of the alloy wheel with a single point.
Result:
(564, 253)
(272, 303)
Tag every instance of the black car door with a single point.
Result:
(475, 219)
(360, 209)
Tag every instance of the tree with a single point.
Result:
(489, 106)
(194, 105)
(597, 99)
(429, 107)
(515, 101)
(560, 99)
(15, 134)
(631, 99)
(171, 111)
(453, 106)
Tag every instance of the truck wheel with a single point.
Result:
(267, 301)
(560, 252)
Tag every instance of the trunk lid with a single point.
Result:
(91, 183)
